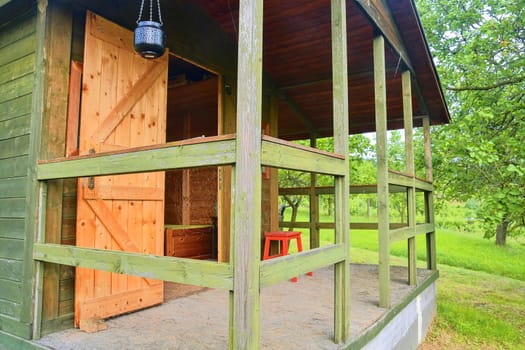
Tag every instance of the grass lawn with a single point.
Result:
(481, 288)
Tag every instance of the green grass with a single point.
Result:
(481, 288)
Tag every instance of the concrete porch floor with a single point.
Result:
(293, 315)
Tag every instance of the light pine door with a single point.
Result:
(123, 105)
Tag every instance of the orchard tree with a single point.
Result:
(479, 50)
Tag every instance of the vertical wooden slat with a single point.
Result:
(429, 198)
(58, 42)
(29, 277)
(73, 109)
(428, 148)
(227, 123)
(122, 136)
(382, 171)
(274, 173)
(342, 183)
(409, 163)
(39, 271)
(247, 197)
(231, 258)
(314, 206)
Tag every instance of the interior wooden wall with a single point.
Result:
(191, 194)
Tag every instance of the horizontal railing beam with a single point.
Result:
(286, 155)
(424, 185)
(283, 268)
(205, 151)
(180, 270)
(409, 232)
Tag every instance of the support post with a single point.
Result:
(274, 172)
(314, 206)
(247, 191)
(429, 198)
(39, 269)
(382, 171)
(342, 183)
(31, 308)
(227, 113)
(409, 163)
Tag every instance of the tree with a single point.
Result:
(479, 46)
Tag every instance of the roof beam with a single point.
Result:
(379, 12)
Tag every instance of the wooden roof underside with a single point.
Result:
(297, 59)
(297, 55)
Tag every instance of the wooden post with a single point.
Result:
(429, 198)
(227, 113)
(274, 173)
(39, 269)
(342, 183)
(428, 148)
(409, 159)
(246, 252)
(33, 272)
(382, 171)
(314, 206)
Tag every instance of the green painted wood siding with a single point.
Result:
(17, 61)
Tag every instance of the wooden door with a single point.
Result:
(123, 106)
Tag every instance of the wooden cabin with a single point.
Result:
(118, 173)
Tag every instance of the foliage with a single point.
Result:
(476, 310)
(478, 46)
(455, 248)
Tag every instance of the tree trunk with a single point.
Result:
(501, 232)
(294, 204)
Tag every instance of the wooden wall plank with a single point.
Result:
(11, 290)
(9, 308)
(12, 327)
(13, 187)
(23, 27)
(16, 88)
(15, 127)
(12, 207)
(13, 167)
(11, 269)
(23, 47)
(14, 147)
(11, 248)
(16, 69)
(180, 270)
(15, 107)
(17, 64)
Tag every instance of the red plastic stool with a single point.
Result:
(284, 238)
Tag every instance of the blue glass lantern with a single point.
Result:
(149, 39)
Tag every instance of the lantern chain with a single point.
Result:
(160, 16)
(150, 11)
(140, 12)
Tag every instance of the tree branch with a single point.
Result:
(511, 81)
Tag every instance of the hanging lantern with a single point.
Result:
(149, 38)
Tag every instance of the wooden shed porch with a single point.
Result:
(110, 130)
(293, 316)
